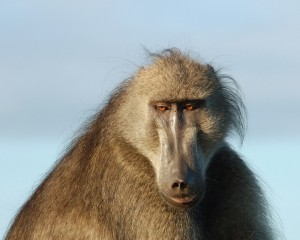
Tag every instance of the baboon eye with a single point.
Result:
(189, 107)
(162, 108)
(194, 104)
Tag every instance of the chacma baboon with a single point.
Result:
(154, 164)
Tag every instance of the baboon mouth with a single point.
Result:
(181, 202)
(184, 200)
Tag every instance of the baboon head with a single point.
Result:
(177, 112)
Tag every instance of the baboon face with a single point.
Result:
(180, 170)
(178, 117)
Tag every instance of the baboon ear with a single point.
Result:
(210, 72)
(210, 69)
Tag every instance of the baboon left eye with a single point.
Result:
(189, 107)
(194, 104)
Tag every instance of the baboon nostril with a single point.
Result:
(179, 184)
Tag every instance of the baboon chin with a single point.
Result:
(154, 164)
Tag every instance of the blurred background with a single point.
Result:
(59, 60)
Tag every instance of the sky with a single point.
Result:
(60, 60)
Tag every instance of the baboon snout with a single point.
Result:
(188, 184)
(183, 188)
(180, 173)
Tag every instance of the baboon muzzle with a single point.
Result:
(180, 177)
(180, 185)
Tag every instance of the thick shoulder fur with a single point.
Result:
(234, 202)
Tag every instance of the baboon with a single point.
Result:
(154, 164)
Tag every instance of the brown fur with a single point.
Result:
(105, 185)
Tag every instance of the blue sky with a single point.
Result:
(60, 60)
